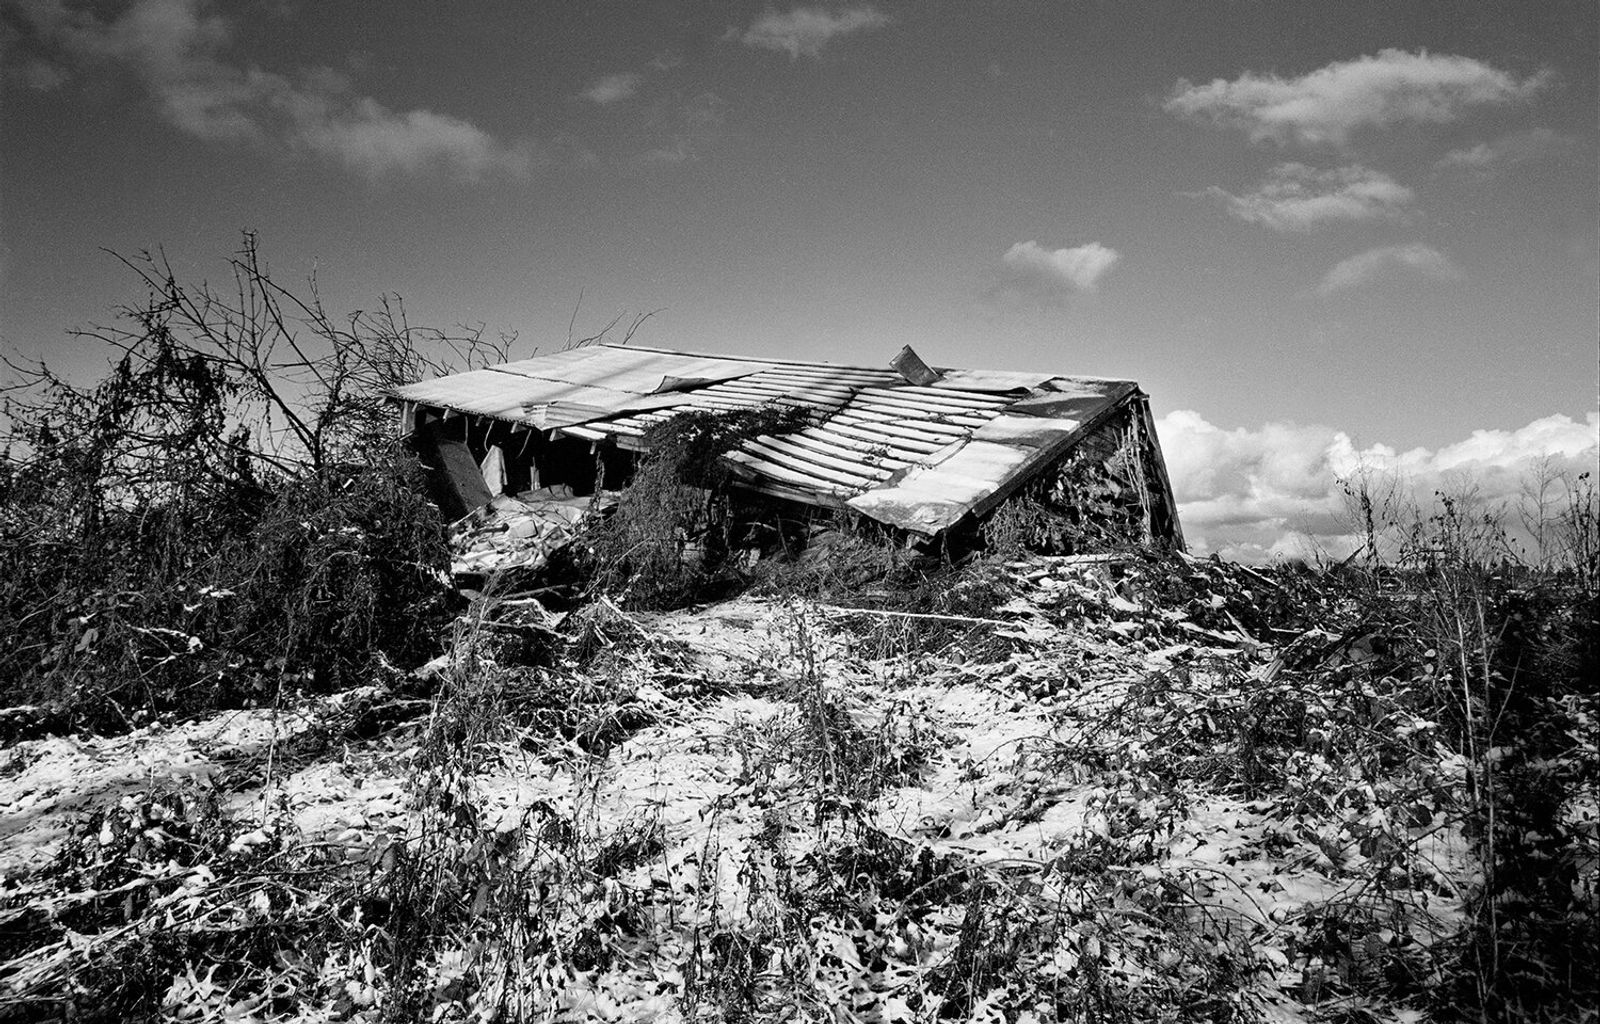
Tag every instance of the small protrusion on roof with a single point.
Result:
(670, 384)
(910, 366)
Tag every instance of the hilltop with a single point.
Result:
(1102, 788)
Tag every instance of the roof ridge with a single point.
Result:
(823, 364)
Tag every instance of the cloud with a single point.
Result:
(1415, 258)
(694, 124)
(1275, 490)
(613, 88)
(1032, 269)
(38, 74)
(804, 31)
(1489, 159)
(1328, 105)
(175, 50)
(369, 138)
(1298, 198)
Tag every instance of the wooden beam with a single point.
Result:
(1167, 497)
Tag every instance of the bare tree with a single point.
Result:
(242, 445)
(214, 384)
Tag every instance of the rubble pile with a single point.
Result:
(520, 532)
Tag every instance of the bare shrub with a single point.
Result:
(1455, 632)
(669, 536)
(226, 517)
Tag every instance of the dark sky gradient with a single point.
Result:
(853, 194)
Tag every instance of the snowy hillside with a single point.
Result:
(1116, 792)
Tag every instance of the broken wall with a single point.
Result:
(1104, 494)
(470, 459)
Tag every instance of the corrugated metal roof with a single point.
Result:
(577, 385)
(915, 456)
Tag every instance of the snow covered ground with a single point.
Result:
(1057, 811)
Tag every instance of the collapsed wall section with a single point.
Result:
(1107, 492)
(472, 459)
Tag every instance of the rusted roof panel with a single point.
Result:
(1073, 397)
(578, 385)
(999, 381)
(480, 392)
(639, 372)
(932, 498)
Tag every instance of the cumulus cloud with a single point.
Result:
(804, 31)
(1030, 268)
(369, 138)
(1489, 159)
(176, 50)
(1276, 490)
(1295, 197)
(613, 88)
(1328, 105)
(1413, 258)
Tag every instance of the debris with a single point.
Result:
(1136, 805)
(520, 532)
(829, 609)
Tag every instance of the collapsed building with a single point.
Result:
(926, 451)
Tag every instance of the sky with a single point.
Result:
(1321, 236)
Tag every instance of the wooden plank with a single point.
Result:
(899, 418)
(865, 378)
(854, 450)
(873, 446)
(895, 447)
(586, 433)
(763, 485)
(851, 478)
(782, 377)
(786, 475)
(919, 414)
(793, 387)
(920, 399)
(812, 402)
(600, 431)
(917, 447)
(1160, 461)
(874, 434)
(933, 398)
(765, 393)
(931, 433)
(729, 404)
(890, 433)
(812, 399)
(913, 408)
(850, 467)
(909, 403)
(960, 395)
